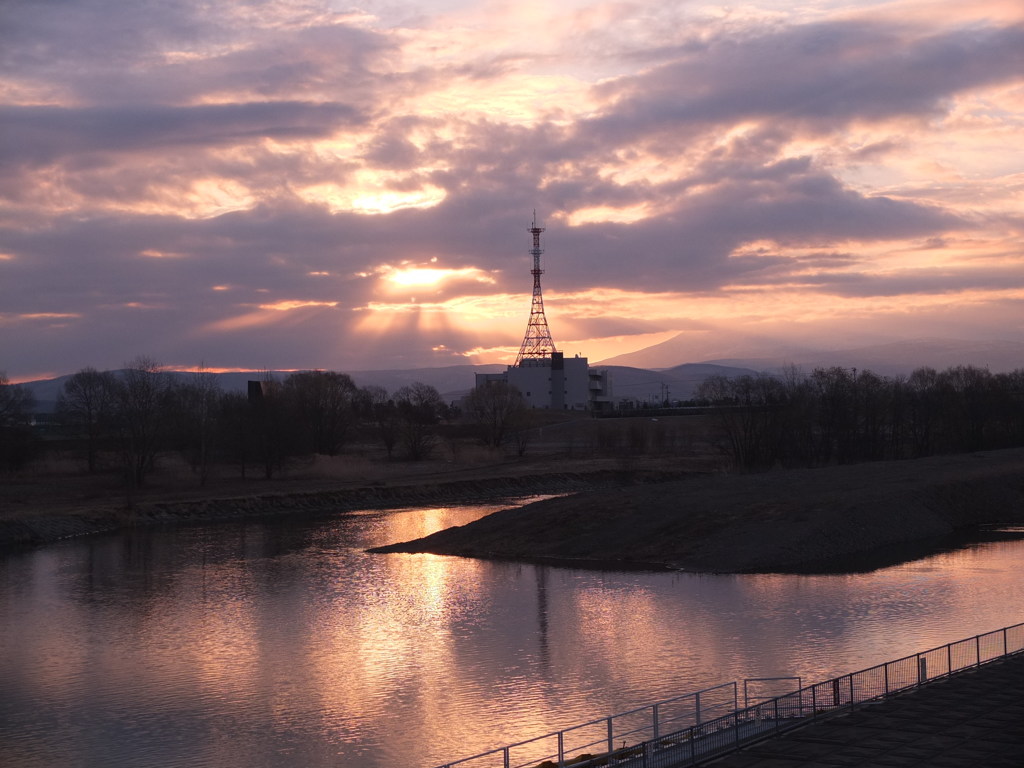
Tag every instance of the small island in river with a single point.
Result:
(831, 519)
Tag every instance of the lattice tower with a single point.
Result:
(537, 344)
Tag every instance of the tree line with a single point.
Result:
(840, 415)
(16, 440)
(127, 418)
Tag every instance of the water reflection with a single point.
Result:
(283, 643)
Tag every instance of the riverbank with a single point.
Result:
(34, 517)
(813, 520)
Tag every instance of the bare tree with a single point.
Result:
(238, 436)
(16, 404)
(141, 416)
(199, 415)
(1012, 387)
(384, 413)
(419, 409)
(323, 403)
(921, 410)
(749, 411)
(966, 395)
(272, 428)
(496, 407)
(85, 406)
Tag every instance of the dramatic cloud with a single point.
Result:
(302, 183)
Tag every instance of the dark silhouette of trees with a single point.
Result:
(199, 420)
(829, 416)
(967, 405)
(419, 409)
(495, 408)
(16, 438)
(86, 407)
(269, 425)
(324, 406)
(921, 412)
(748, 412)
(839, 415)
(380, 410)
(142, 416)
(238, 429)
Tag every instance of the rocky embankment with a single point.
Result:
(781, 521)
(31, 529)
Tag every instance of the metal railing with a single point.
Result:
(601, 735)
(653, 737)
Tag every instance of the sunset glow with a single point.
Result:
(305, 186)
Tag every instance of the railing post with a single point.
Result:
(1006, 652)
(776, 715)
(656, 730)
(696, 699)
(885, 675)
(611, 736)
(508, 762)
(814, 701)
(922, 669)
(561, 748)
(977, 650)
(949, 658)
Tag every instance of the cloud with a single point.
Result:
(45, 134)
(237, 181)
(814, 77)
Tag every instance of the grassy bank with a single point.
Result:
(39, 516)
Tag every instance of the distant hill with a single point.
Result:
(706, 346)
(451, 381)
(679, 383)
(890, 359)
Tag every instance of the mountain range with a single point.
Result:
(889, 359)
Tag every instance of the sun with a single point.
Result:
(405, 276)
(418, 276)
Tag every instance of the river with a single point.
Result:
(282, 643)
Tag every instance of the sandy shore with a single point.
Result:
(830, 519)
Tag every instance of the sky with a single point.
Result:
(294, 184)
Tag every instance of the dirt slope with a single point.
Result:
(792, 520)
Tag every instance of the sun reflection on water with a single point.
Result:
(284, 642)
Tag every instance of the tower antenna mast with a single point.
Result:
(537, 343)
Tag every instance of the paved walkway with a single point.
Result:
(974, 719)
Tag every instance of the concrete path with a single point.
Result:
(972, 720)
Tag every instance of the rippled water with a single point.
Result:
(284, 644)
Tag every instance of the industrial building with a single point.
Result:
(545, 377)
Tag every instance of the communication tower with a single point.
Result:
(537, 344)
